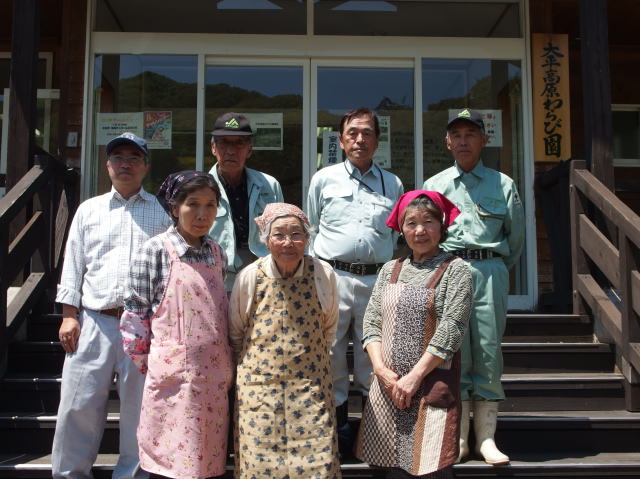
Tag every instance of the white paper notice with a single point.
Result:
(331, 151)
(267, 130)
(110, 125)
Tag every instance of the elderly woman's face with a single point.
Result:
(196, 213)
(286, 241)
(422, 231)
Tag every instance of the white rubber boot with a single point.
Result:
(485, 417)
(464, 430)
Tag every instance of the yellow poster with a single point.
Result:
(551, 103)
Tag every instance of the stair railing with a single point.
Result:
(43, 200)
(605, 241)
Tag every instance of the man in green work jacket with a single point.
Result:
(489, 235)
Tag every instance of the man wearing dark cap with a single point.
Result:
(106, 232)
(245, 193)
(489, 235)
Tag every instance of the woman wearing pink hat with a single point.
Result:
(413, 328)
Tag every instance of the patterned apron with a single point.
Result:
(285, 417)
(184, 417)
(423, 438)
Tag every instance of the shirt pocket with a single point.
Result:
(337, 201)
(490, 218)
(380, 211)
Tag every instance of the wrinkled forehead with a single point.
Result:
(126, 150)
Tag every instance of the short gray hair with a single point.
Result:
(309, 231)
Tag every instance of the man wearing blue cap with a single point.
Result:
(489, 235)
(106, 232)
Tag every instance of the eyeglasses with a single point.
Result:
(226, 144)
(129, 160)
(295, 237)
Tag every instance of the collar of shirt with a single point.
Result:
(140, 194)
(478, 171)
(272, 269)
(182, 247)
(373, 169)
(226, 184)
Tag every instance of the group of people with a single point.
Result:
(216, 285)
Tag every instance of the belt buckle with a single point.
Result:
(356, 268)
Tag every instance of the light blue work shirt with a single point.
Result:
(491, 213)
(351, 217)
(262, 189)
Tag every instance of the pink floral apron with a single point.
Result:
(184, 416)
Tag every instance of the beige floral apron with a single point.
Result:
(285, 417)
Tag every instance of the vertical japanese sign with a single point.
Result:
(551, 106)
(331, 152)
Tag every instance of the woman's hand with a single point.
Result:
(404, 389)
(387, 378)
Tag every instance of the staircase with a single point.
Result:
(564, 415)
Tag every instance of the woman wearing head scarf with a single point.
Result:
(283, 314)
(413, 328)
(175, 329)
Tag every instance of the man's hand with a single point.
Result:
(69, 329)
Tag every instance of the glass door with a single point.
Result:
(387, 88)
(271, 95)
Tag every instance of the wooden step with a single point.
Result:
(544, 328)
(593, 466)
(587, 432)
(559, 391)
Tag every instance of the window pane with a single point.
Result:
(626, 134)
(153, 96)
(388, 92)
(202, 16)
(271, 97)
(417, 18)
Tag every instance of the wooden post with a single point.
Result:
(25, 40)
(629, 262)
(596, 90)
(579, 264)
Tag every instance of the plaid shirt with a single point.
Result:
(149, 272)
(104, 236)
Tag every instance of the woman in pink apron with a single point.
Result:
(175, 329)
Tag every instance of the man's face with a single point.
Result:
(231, 152)
(127, 168)
(358, 140)
(465, 141)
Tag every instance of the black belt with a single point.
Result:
(359, 269)
(113, 312)
(474, 253)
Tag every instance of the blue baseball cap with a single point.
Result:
(128, 139)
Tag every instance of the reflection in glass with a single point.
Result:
(418, 18)
(203, 16)
(271, 97)
(388, 92)
(156, 94)
(494, 86)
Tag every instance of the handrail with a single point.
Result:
(44, 200)
(611, 252)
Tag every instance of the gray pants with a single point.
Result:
(87, 376)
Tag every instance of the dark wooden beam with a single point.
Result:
(596, 90)
(25, 40)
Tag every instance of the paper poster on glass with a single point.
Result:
(382, 156)
(157, 129)
(267, 130)
(110, 125)
(492, 125)
(331, 151)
